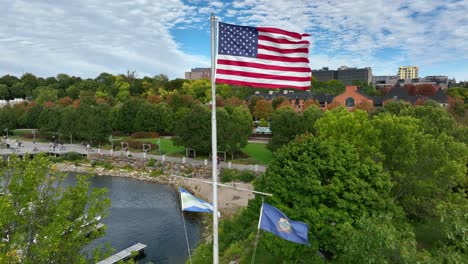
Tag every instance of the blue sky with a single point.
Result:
(87, 37)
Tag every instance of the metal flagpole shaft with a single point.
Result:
(214, 141)
(258, 232)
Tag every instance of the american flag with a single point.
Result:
(262, 57)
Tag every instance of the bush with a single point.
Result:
(151, 163)
(72, 156)
(247, 176)
(156, 173)
(187, 170)
(104, 164)
(144, 135)
(229, 175)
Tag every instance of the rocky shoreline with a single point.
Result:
(120, 172)
(229, 200)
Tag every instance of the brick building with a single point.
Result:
(198, 73)
(352, 97)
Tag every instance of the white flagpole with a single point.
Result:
(214, 142)
(258, 232)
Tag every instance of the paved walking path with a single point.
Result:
(29, 147)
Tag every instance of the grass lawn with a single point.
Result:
(258, 153)
(167, 145)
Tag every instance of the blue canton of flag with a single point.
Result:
(276, 222)
(238, 40)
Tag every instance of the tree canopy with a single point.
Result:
(42, 219)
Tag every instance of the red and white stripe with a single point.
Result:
(282, 62)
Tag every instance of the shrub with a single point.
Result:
(141, 134)
(187, 170)
(127, 167)
(151, 163)
(228, 175)
(72, 156)
(104, 164)
(246, 176)
(156, 173)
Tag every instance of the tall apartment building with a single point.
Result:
(408, 72)
(345, 74)
(198, 73)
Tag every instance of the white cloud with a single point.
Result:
(424, 31)
(86, 37)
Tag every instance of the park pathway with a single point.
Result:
(31, 148)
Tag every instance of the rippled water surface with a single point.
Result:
(148, 213)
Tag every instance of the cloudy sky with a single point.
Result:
(87, 37)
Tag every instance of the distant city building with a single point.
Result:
(408, 72)
(353, 96)
(344, 74)
(440, 81)
(198, 73)
(12, 102)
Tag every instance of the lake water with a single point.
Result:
(148, 213)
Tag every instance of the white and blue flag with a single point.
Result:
(191, 203)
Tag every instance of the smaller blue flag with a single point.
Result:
(191, 203)
(276, 222)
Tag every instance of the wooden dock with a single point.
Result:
(124, 254)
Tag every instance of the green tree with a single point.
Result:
(123, 89)
(193, 128)
(32, 115)
(7, 118)
(29, 82)
(454, 222)
(234, 129)
(253, 102)
(421, 165)
(45, 94)
(125, 113)
(199, 89)
(323, 183)
(73, 91)
(154, 118)
(434, 118)
(378, 239)
(42, 220)
(278, 101)
(396, 107)
(94, 122)
(68, 122)
(285, 125)
(353, 127)
(4, 92)
(49, 119)
(311, 115)
(262, 109)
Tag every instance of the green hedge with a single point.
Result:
(229, 175)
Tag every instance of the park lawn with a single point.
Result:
(258, 153)
(167, 145)
(22, 132)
